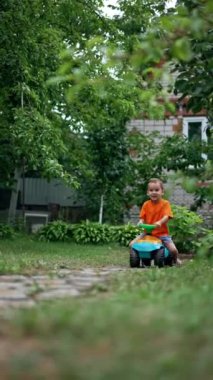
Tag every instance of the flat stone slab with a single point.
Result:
(59, 293)
(25, 291)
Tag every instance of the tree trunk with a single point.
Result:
(101, 209)
(14, 196)
(17, 179)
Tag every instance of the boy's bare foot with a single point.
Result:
(178, 262)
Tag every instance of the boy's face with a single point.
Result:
(155, 191)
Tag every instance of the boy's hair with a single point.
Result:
(156, 180)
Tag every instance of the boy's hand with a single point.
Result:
(140, 222)
(158, 224)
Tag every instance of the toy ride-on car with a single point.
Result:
(148, 248)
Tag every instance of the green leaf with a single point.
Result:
(182, 49)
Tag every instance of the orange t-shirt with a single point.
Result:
(152, 212)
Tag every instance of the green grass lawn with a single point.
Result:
(153, 324)
(25, 255)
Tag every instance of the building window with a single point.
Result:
(195, 128)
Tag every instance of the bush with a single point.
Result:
(6, 231)
(185, 228)
(56, 231)
(88, 232)
(124, 234)
(92, 232)
(206, 245)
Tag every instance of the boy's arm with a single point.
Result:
(162, 221)
(168, 214)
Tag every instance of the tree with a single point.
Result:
(32, 130)
(102, 113)
(141, 48)
(27, 51)
(192, 82)
(193, 75)
(179, 40)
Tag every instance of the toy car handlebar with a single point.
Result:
(148, 227)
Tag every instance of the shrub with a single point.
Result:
(6, 231)
(206, 245)
(124, 234)
(185, 228)
(56, 231)
(92, 232)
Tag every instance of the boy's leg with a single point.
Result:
(173, 250)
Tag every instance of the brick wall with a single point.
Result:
(166, 127)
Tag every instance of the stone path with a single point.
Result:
(26, 291)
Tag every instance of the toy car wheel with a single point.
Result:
(168, 261)
(159, 258)
(134, 259)
(146, 263)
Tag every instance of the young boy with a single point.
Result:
(158, 211)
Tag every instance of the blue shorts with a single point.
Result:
(166, 239)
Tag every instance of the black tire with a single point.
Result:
(159, 258)
(134, 259)
(146, 263)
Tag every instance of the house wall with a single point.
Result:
(166, 127)
(54, 196)
(37, 195)
(39, 191)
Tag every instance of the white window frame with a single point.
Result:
(196, 119)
